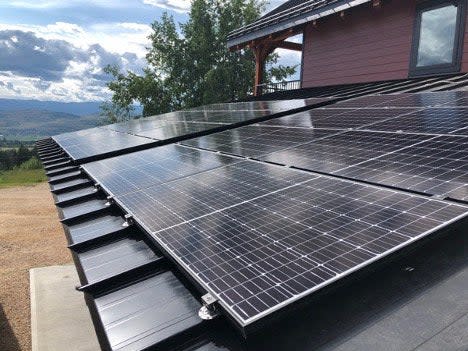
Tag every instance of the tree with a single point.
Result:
(189, 65)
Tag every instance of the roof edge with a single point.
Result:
(285, 20)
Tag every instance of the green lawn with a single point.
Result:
(22, 177)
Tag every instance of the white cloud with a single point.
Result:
(175, 5)
(114, 37)
(50, 4)
(79, 76)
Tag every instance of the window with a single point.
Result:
(438, 37)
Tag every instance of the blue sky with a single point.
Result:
(56, 49)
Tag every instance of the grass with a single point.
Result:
(19, 176)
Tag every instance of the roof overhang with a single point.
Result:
(295, 17)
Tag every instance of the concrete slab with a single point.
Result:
(59, 316)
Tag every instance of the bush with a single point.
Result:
(32, 163)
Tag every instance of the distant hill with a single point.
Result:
(36, 123)
(75, 108)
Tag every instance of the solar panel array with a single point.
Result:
(145, 132)
(412, 148)
(259, 236)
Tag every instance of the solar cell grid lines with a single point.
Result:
(83, 144)
(257, 140)
(334, 118)
(415, 100)
(275, 105)
(336, 152)
(261, 254)
(437, 120)
(438, 166)
(147, 168)
(133, 135)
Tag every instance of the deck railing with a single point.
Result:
(268, 88)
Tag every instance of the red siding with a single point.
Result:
(367, 45)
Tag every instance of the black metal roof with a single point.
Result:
(138, 298)
(291, 14)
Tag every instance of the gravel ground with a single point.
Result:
(30, 236)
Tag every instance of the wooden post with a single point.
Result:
(261, 52)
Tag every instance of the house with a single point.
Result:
(329, 217)
(347, 42)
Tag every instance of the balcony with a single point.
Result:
(269, 88)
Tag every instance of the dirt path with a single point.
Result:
(30, 236)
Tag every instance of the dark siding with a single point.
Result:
(464, 66)
(367, 45)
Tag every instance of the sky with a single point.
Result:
(55, 50)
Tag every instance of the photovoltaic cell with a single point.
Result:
(257, 249)
(337, 152)
(96, 141)
(421, 163)
(259, 236)
(254, 141)
(415, 100)
(139, 170)
(207, 117)
(131, 135)
(333, 118)
(276, 105)
(438, 166)
(430, 121)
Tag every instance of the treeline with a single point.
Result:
(21, 157)
(189, 64)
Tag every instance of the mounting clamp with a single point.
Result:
(110, 201)
(128, 220)
(208, 311)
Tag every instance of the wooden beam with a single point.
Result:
(261, 52)
(289, 45)
(269, 39)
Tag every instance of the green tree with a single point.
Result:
(189, 64)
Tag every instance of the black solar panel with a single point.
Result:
(272, 106)
(438, 166)
(430, 121)
(96, 141)
(259, 256)
(142, 169)
(338, 152)
(418, 100)
(204, 118)
(257, 236)
(421, 163)
(121, 138)
(334, 118)
(254, 141)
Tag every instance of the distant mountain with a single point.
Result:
(34, 123)
(75, 108)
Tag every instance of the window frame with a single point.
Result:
(443, 68)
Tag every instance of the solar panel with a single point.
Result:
(261, 255)
(142, 169)
(430, 121)
(96, 141)
(254, 141)
(275, 105)
(334, 118)
(436, 166)
(259, 237)
(421, 163)
(204, 118)
(121, 138)
(337, 152)
(415, 100)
